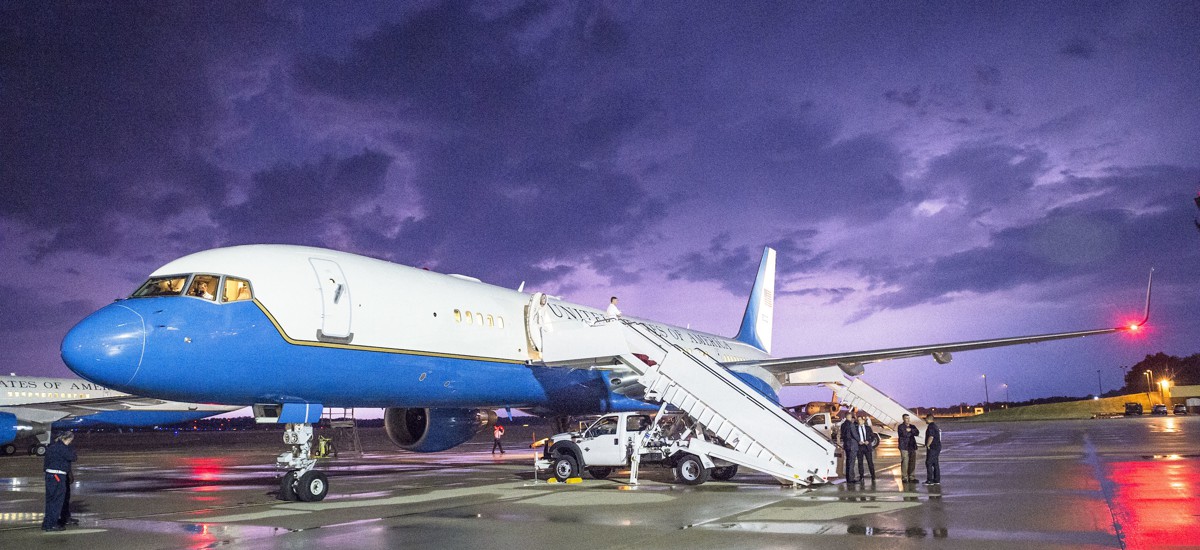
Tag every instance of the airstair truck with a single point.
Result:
(628, 439)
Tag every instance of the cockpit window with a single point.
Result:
(203, 286)
(236, 290)
(161, 286)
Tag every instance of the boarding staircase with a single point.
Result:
(755, 432)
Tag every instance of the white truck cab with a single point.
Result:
(612, 441)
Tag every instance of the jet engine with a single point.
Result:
(8, 427)
(432, 430)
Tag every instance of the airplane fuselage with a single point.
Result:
(280, 324)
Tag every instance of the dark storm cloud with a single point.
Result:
(1081, 48)
(1068, 243)
(26, 310)
(294, 204)
(512, 169)
(107, 112)
(735, 267)
(985, 176)
(792, 161)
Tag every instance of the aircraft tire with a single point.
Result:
(690, 470)
(725, 473)
(9, 449)
(600, 472)
(38, 450)
(565, 467)
(313, 486)
(287, 486)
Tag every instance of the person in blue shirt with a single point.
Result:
(933, 450)
(57, 464)
(907, 435)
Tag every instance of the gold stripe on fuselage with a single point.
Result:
(379, 349)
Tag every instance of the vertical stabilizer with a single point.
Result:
(760, 310)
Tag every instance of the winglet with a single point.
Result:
(1149, 286)
(760, 309)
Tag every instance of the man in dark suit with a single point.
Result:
(57, 466)
(867, 440)
(849, 446)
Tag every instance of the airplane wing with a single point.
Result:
(852, 363)
(90, 406)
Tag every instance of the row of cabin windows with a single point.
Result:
(52, 395)
(203, 286)
(477, 318)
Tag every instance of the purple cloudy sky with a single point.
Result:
(929, 172)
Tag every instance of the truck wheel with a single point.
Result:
(690, 471)
(10, 449)
(565, 467)
(724, 474)
(599, 472)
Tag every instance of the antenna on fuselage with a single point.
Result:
(521, 287)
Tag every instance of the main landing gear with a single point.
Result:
(301, 482)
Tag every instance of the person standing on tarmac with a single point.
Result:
(849, 445)
(933, 451)
(907, 435)
(497, 433)
(57, 466)
(867, 440)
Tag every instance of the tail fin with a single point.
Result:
(760, 310)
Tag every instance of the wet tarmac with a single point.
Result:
(1117, 483)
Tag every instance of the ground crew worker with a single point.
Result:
(613, 312)
(57, 465)
(497, 433)
(907, 435)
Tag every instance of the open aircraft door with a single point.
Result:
(536, 324)
(335, 302)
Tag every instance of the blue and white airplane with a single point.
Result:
(290, 329)
(31, 407)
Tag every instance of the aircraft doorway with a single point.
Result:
(336, 305)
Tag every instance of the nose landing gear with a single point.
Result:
(300, 482)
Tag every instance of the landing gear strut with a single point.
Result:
(301, 482)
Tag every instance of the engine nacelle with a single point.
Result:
(8, 427)
(433, 430)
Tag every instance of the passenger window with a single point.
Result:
(161, 286)
(479, 318)
(203, 286)
(499, 322)
(470, 320)
(491, 322)
(457, 316)
(236, 290)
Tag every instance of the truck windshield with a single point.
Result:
(604, 426)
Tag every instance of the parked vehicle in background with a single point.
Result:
(1181, 409)
(1159, 409)
(1133, 408)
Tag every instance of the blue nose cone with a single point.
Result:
(107, 346)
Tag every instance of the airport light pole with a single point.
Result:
(1149, 386)
(1007, 399)
(985, 394)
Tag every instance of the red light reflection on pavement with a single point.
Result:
(1155, 501)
